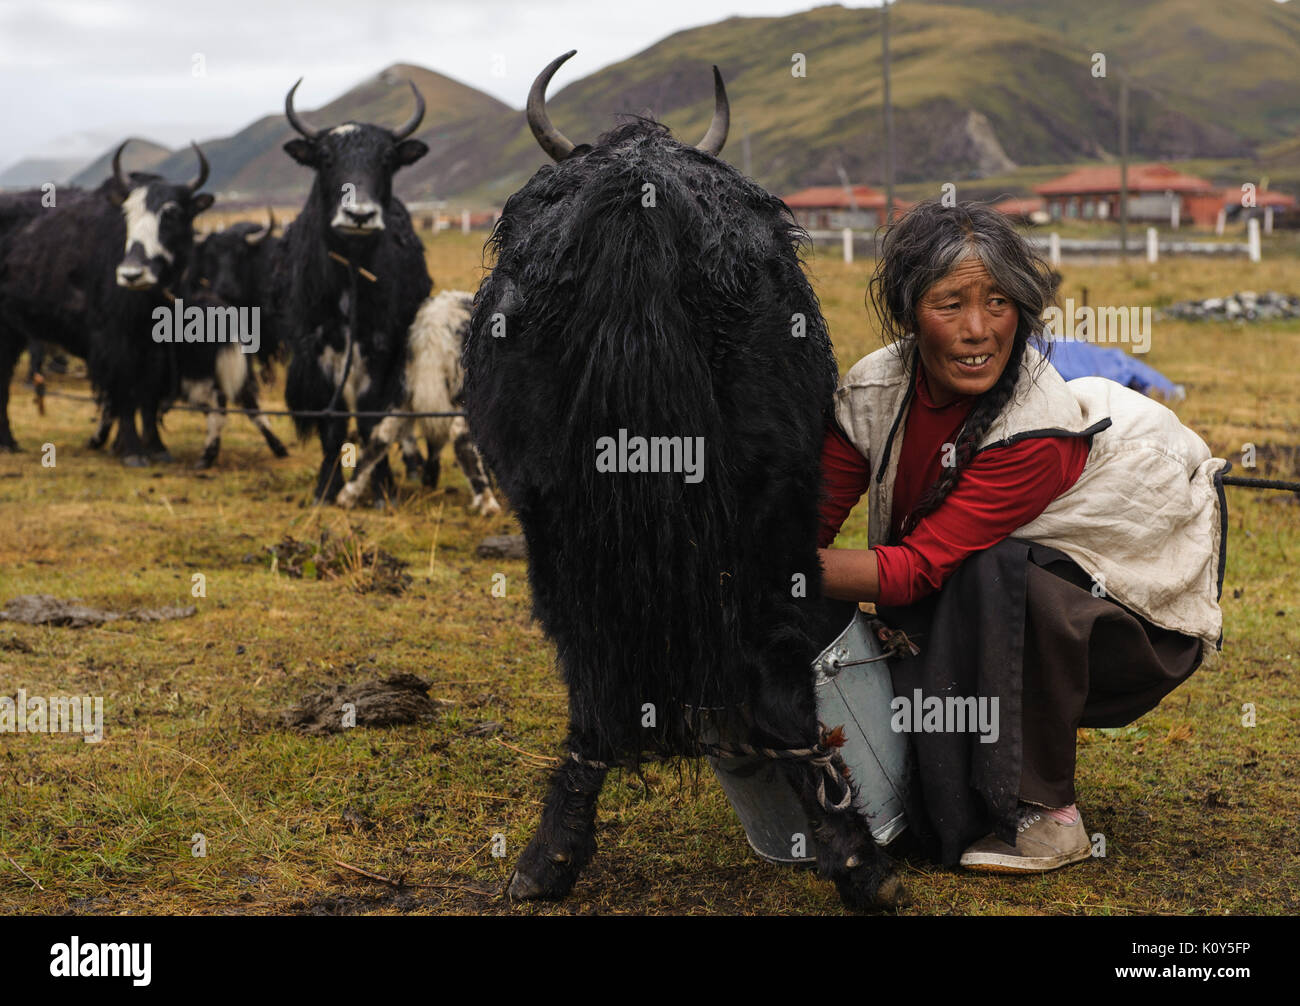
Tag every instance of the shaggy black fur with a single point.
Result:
(666, 320)
(312, 290)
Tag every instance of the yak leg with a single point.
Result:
(133, 450)
(412, 459)
(846, 851)
(373, 455)
(565, 839)
(329, 481)
(10, 349)
(214, 410)
(471, 463)
(105, 427)
(153, 443)
(246, 399)
(381, 477)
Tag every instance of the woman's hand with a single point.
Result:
(849, 574)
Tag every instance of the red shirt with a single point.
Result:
(1001, 489)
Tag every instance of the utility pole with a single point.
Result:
(889, 116)
(1123, 167)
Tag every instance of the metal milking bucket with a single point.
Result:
(853, 689)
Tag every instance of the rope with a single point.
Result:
(312, 413)
(823, 755)
(1235, 480)
(352, 327)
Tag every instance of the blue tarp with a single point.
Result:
(1076, 358)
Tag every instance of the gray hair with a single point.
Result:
(931, 239)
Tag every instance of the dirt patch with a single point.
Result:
(45, 609)
(341, 557)
(398, 698)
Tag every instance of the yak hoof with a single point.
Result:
(10, 448)
(556, 885)
(95, 443)
(862, 891)
(344, 500)
(135, 461)
(203, 463)
(163, 457)
(548, 872)
(279, 450)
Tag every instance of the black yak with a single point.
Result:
(17, 209)
(351, 274)
(87, 276)
(644, 295)
(238, 264)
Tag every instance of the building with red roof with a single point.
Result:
(833, 207)
(1156, 192)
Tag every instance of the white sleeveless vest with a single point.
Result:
(1146, 519)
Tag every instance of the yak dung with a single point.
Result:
(44, 609)
(398, 698)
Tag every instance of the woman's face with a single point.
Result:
(965, 328)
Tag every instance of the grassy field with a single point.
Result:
(1198, 811)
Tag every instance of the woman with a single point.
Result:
(1055, 551)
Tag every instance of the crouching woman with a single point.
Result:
(1055, 550)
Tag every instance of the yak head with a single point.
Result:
(226, 262)
(159, 222)
(354, 165)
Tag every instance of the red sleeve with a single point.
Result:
(1003, 489)
(845, 477)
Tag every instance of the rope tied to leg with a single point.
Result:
(823, 755)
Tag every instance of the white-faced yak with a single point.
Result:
(87, 275)
(649, 376)
(351, 276)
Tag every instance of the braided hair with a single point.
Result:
(919, 250)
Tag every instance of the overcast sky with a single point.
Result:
(77, 75)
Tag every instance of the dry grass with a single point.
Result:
(1198, 812)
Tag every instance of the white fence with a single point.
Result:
(1055, 247)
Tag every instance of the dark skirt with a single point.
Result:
(1019, 622)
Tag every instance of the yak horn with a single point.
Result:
(717, 135)
(203, 169)
(550, 139)
(257, 237)
(411, 124)
(117, 167)
(294, 120)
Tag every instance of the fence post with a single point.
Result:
(464, 221)
(1268, 219)
(1054, 248)
(1153, 245)
(1220, 221)
(847, 235)
(1252, 238)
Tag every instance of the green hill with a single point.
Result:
(981, 88)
